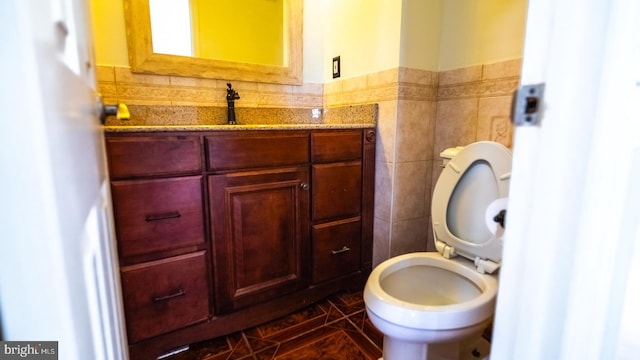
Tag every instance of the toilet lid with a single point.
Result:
(475, 177)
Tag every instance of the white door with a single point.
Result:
(569, 281)
(57, 265)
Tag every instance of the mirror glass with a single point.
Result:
(252, 40)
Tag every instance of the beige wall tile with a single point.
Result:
(498, 87)
(333, 87)
(459, 91)
(456, 123)
(502, 69)
(105, 73)
(386, 134)
(124, 75)
(383, 78)
(415, 130)
(108, 92)
(381, 238)
(409, 191)
(274, 88)
(383, 190)
(194, 82)
(462, 75)
(308, 89)
(354, 84)
(409, 236)
(417, 76)
(494, 122)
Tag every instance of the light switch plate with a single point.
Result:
(336, 67)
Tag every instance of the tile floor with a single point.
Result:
(336, 328)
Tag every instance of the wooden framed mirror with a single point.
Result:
(143, 59)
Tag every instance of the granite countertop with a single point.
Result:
(201, 118)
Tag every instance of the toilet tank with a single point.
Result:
(449, 153)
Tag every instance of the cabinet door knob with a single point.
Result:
(304, 186)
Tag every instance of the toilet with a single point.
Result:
(435, 305)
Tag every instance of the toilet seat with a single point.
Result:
(477, 175)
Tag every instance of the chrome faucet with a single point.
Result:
(232, 95)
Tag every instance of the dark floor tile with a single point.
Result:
(342, 324)
(365, 344)
(336, 328)
(371, 332)
(242, 350)
(358, 319)
(295, 320)
(205, 350)
(266, 354)
(259, 344)
(350, 299)
(333, 315)
(303, 340)
(336, 346)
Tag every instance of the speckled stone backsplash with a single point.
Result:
(152, 115)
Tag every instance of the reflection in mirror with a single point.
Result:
(250, 31)
(252, 40)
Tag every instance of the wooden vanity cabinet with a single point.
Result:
(259, 200)
(222, 230)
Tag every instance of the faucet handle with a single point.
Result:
(120, 111)
(231, 94)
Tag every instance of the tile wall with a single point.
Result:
(420, 114)
(119, 84)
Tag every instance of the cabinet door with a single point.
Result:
(260, 235)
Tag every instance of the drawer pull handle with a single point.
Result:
(176, 294)
(165, 216)
(344, 249)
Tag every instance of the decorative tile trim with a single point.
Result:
(393, 84)
(484, 88)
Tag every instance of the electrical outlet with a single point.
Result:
(336, 67)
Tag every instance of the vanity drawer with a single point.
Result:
(158, 214)
(165, 295)
(336, 146)
(336, 249)
(336, 190)
(133, 156)
(257, 150)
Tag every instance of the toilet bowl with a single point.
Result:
(427, 304)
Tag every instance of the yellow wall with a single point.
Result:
(373, 35)
(110, 42)
(481, 32)
(364, 33)
(239, 30)
(421, 27)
